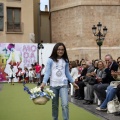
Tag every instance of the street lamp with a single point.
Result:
(40, 47)
(100, 36)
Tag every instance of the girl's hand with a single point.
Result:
(42, 85)
(75, 86)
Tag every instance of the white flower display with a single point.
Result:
(37, 92)
(49, 92)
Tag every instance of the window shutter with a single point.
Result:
(1, 17)
(1, 9)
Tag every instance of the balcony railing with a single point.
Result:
(14, 27)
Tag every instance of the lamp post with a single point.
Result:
(100, 36)
(40, 47)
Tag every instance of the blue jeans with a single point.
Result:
(63, 92)
(111, 92)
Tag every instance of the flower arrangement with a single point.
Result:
(38, 95)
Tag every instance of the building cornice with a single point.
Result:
(72, 5)
(93, 48)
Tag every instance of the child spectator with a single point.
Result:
(11, 74)
(26, 75)
(42, 72)
(19, 75)
(31, 75)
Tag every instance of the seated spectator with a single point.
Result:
(100, 89)
(74, 70)
(118, 92)
(70, 66)
(79, 93)
(80, 68)
(81, 64)
(111, 89)
(118, 95)
(77, 61)
(74, 74)
(82, 84)
(97, 76)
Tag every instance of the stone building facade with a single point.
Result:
(44, 26)
(72, 21)
(19, 21)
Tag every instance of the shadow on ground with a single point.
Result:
(91, 108)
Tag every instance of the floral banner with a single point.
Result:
(17, 54)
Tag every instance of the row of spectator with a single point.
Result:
(29, 75)
(98, 77)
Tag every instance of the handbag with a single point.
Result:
(113, 106)
(92, 81)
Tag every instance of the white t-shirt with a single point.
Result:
(74, 73)
(58, 77)
(43, 71)
(31, 73)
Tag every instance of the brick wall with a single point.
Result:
(71, 23)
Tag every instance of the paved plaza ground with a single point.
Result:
(91, 108)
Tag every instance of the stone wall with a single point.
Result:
(72, 21)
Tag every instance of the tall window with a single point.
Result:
(13, 19)
(1, 17)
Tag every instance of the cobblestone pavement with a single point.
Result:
(91, 108)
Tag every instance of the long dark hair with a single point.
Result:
(54, 55)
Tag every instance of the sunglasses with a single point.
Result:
(83, 64)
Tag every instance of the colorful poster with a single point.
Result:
(29, 54)
(17, 55)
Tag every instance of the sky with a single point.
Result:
(43, 3)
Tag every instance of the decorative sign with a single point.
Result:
(17, 54)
